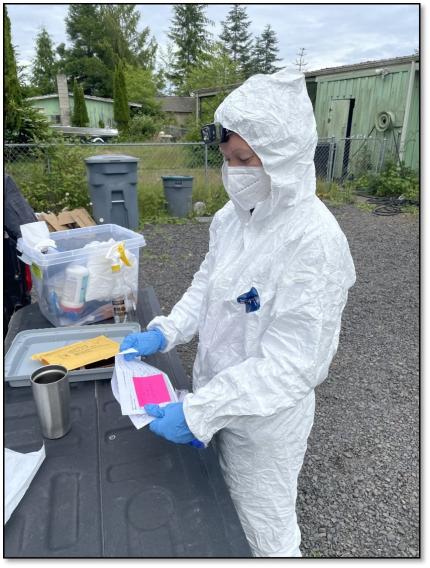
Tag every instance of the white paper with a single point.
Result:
(36, 235)
(131, 350)
(19, 471)
(123, 388)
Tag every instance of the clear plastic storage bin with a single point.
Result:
(74, 281)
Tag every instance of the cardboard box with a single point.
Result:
(67, 219)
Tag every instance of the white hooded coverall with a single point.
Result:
(255, 373)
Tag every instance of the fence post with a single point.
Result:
(206, 168)
(330, 160)
(381, 155)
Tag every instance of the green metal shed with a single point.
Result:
(377, 100)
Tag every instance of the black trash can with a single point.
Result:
(178, 191)
(112, 181)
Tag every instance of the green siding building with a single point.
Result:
(58, 107)
(99, 109)
(376, 99)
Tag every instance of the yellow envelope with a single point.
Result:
(79, 354)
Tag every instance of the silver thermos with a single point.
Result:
(51, 391)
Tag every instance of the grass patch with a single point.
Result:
(207, 188)
(54, 185)
(410, 209)
(369, 207)
(334, 194)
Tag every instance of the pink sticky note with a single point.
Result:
(151, 390)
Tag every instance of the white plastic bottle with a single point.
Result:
(74, 288)
(118, 295)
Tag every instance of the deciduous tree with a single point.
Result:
(142, 88)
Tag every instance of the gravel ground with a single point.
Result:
(358, 488)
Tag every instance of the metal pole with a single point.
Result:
(330, 160)
(381, 155)
(206, 168)
(407, 111)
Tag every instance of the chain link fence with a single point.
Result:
(343, 159)
(61, 167)
(27, 161)
(40, 169)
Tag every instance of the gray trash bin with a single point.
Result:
(112, 181)
(178, 192)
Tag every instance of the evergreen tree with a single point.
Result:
(102, 35)
(85, 33)
(191, 41)
(235, 36)
(23, 124)
(257, 57)
(123, 41)
(121, 111)
(80, 114)
(44, 65)
(12, 88)
(265, 52)
(84, 113)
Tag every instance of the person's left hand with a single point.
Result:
(170, 423)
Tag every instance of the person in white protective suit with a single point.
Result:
(266, 303)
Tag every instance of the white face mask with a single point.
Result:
(246, 186)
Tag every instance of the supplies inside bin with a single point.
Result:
(110, 278)
(78, 285)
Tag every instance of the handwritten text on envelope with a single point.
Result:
(80, 353)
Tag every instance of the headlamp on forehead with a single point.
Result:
(214, 133)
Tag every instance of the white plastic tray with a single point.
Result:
(18, 362)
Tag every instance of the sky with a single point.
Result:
(331, 34)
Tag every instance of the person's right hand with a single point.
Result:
(145, 343)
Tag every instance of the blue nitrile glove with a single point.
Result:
(145, 343)
(170, 423)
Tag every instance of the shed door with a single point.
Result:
(339, 121)
(338, 117)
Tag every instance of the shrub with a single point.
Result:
(33, 126)
(393, 181)
(141, 127)
(216, 199)
(60, 183)
(334, 193)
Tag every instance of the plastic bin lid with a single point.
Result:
(176, 177)
(76, 239)
(107, 158)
